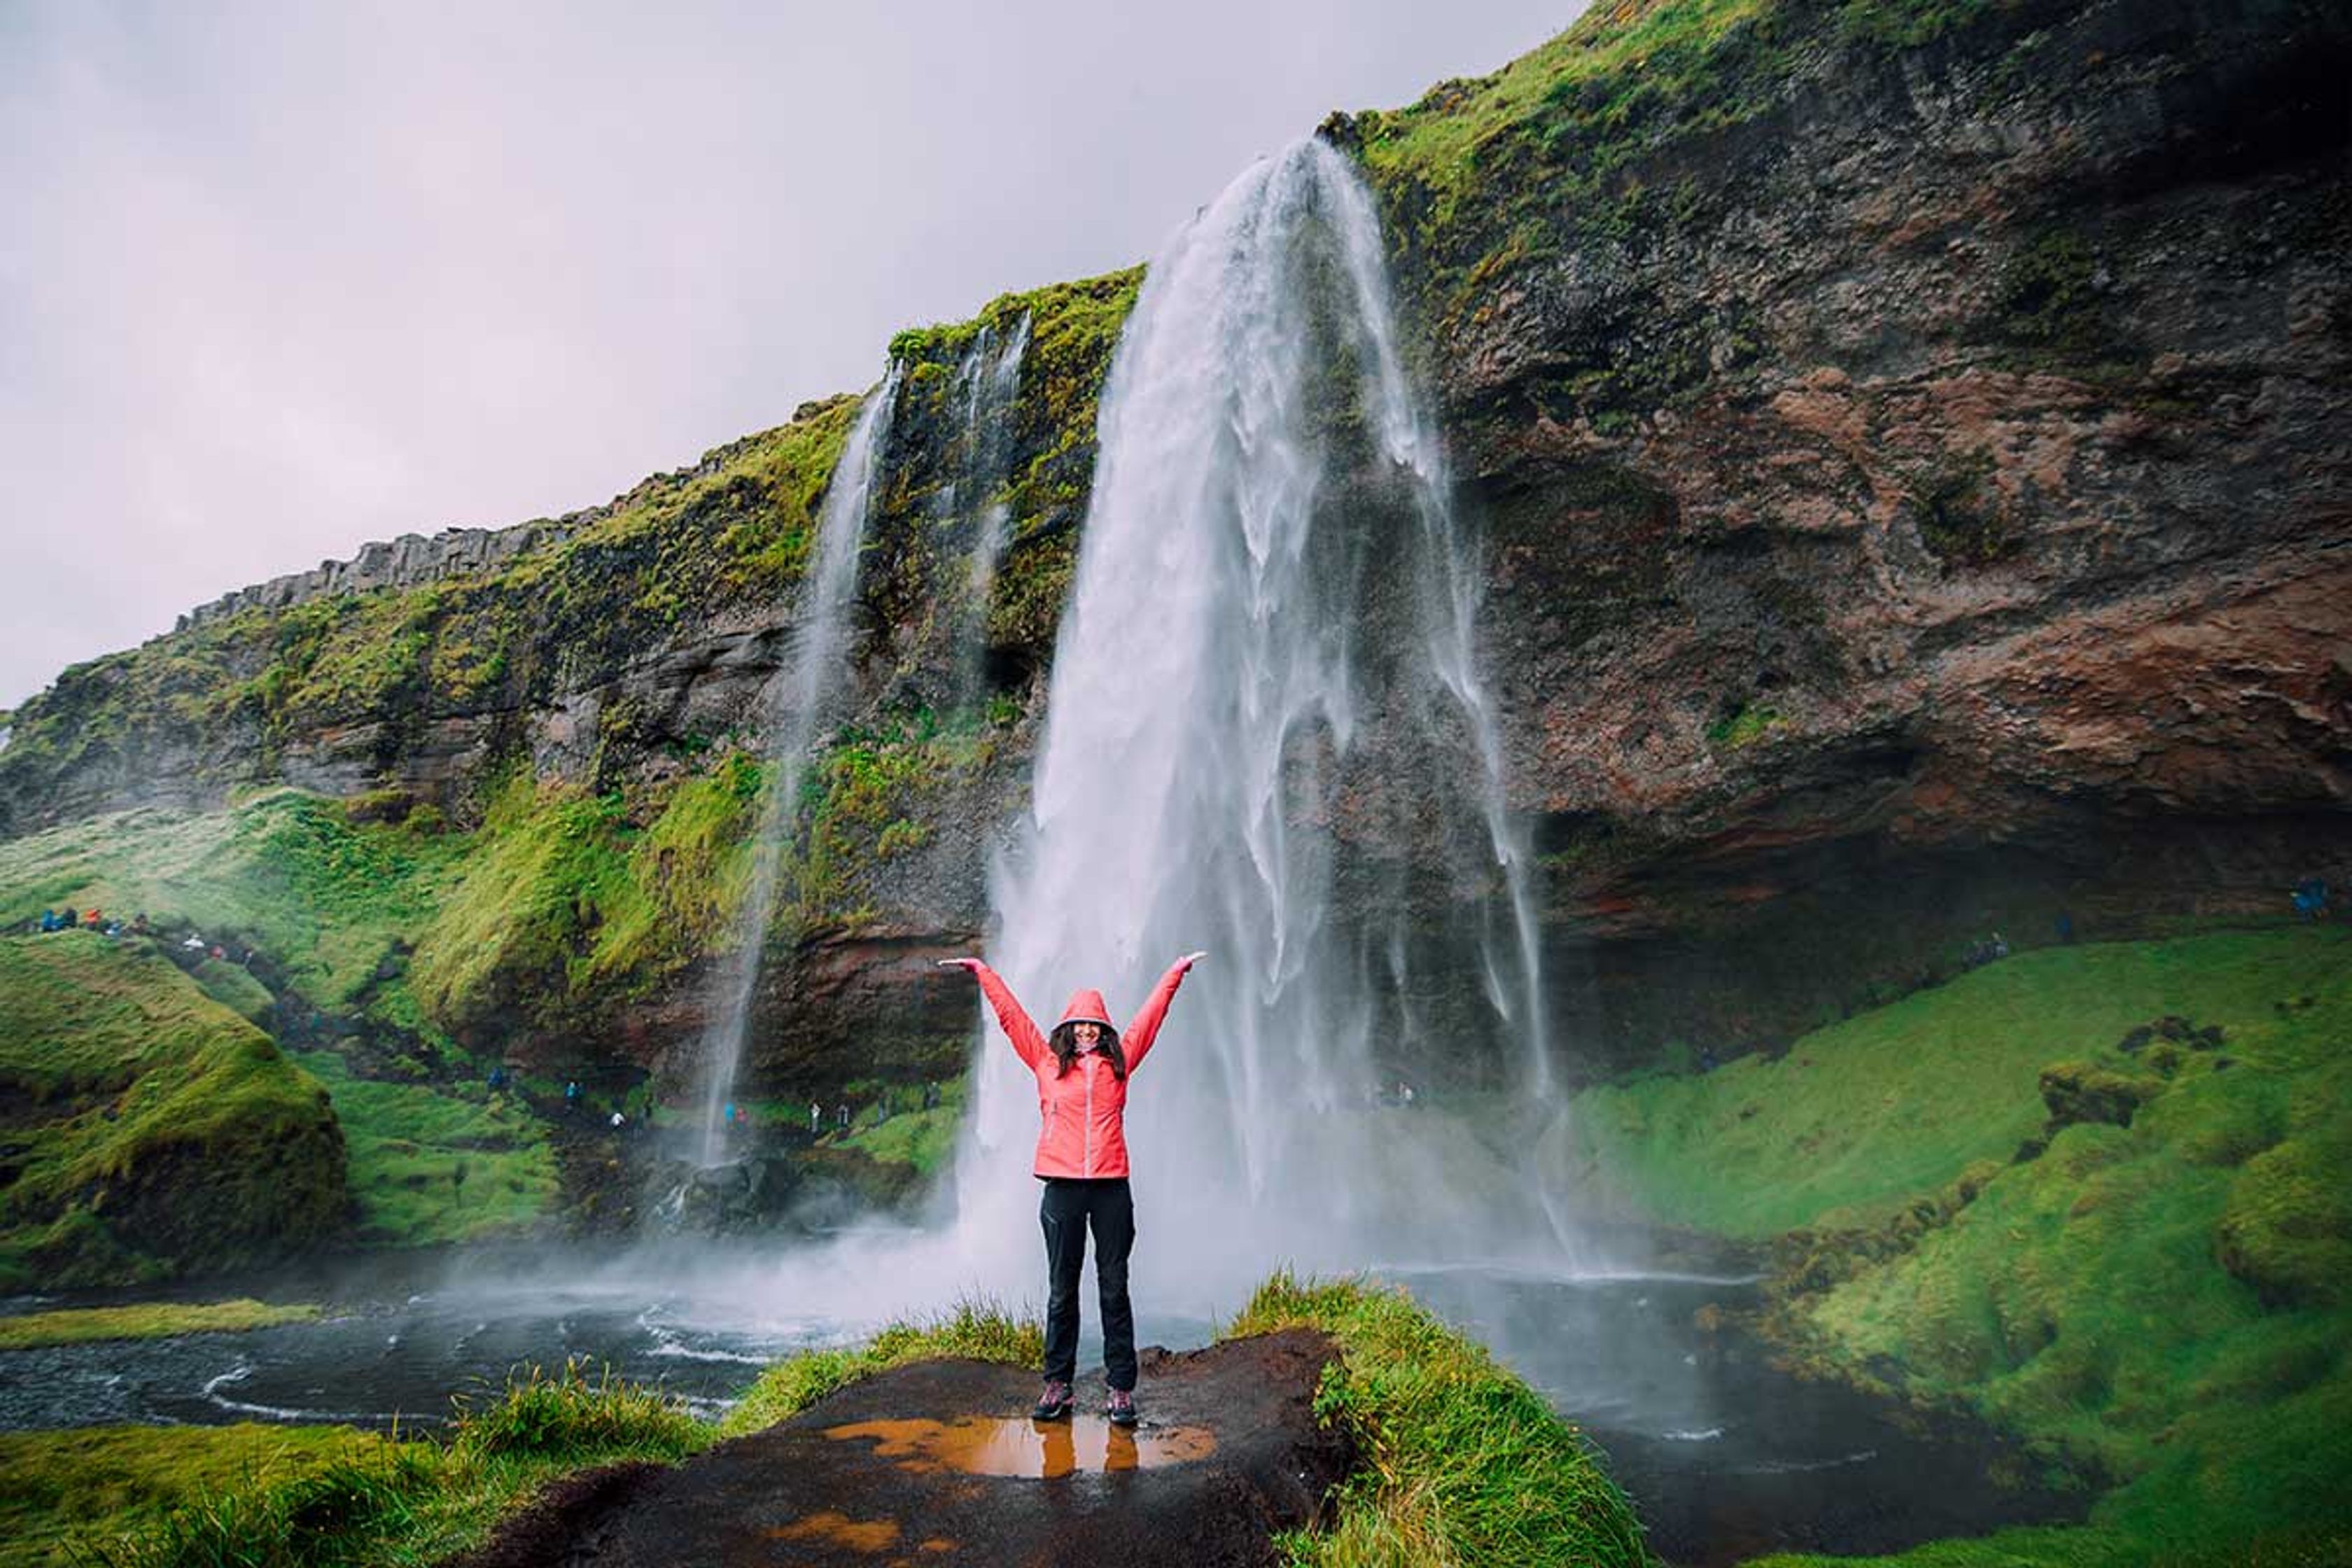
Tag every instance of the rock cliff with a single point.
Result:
(1910, 438)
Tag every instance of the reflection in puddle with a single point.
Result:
(986, 1445)
(875, 1535)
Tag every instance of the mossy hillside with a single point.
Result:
(2160, 1304)
(431, 1166)
(872, 796)
(734, 529)
(1862, 1118)
(325, 900)
(57, 1489)
(1462, 1463)
(150, 1131)
(148, 1321)
(569, 902)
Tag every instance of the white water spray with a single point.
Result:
(795, 697)
(1272, 637)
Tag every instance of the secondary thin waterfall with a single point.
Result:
(987, 380)
(794, 698)
(1265, 725)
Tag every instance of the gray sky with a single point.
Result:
(277, 280)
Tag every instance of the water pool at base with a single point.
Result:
(1724, 1455)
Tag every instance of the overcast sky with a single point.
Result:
(277, 280)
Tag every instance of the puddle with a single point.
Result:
(839, 1530)
(986, 1445)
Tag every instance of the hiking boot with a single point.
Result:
(1053, 1404)
(1120, 1411)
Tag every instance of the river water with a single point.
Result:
(1724, 1455)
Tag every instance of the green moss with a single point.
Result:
(284, 872)
(1462, 1463)
(564, 905)
(921, 1140)
(432, 1165)
(868, 798)
(1859, 1117)
(2130, 1259)
(149, 1321)
(60, 1490)
(2048, 294)
(1743, 725)
(151, 1130)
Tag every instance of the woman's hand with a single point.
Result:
(1190, 959)
(969, 965)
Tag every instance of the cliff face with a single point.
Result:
(1914, 445)
(1910, 439)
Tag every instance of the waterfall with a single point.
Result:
(796, 696)
(991, 376)
(1271, 645)
(981, 392)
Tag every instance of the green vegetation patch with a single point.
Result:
(922, 1139)
(326, 899)
(148, 1130)
(373, 1501)
(2133, 1256)
(573, 902)
(60, 1492)
(978, 1329)
(1860, 1118)
(150, 1321)
(432, 1164)
(1463, 1463)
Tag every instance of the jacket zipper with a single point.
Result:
(1090, 1116)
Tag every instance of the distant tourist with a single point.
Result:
(841, 1116)
(619, 1121)
(816, 1119)
(48, 920)
(194, 943)
(1081, 1070)
(2310, 898)
(139, 923)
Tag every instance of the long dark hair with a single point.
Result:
(1064, 1040)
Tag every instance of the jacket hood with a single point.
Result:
(1087, 1008)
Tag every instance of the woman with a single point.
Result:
(1081, 1070)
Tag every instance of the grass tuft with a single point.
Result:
(1465, 1464)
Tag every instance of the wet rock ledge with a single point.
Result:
(937, 1464)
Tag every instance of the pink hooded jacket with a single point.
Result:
(1084, 1111)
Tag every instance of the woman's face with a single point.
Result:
(1087, 1035)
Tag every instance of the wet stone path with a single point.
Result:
(931, 1464)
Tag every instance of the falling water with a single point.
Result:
(795, 697)
(986, 381)
(1271, 639)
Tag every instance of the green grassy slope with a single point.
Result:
(147, 1130)
(1965, 1218)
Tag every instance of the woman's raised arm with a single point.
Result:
(1018, 1027)
(1145, 1028)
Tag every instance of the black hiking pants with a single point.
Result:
(1069, 1207)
